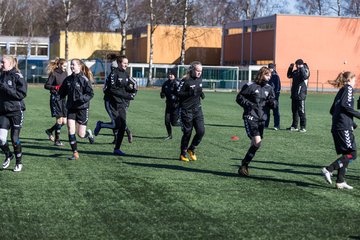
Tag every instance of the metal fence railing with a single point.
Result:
(215, 78)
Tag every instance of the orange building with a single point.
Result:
(328, 45)
(202, 43)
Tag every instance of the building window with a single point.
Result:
(42, 50)
(21, 49)
(2, 49)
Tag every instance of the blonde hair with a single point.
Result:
(259, 79)
(342, 79)
(13, 60)
(57, 63)
(87, 72)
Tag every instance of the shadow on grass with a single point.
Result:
(223, 125)
(283, 163)
(354, 237)
(146, 137)
(224, 174)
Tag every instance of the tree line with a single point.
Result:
(47, 17)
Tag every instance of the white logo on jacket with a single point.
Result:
(9, 82)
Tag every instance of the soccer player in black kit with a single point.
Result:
(342, 111)
(120, 89)
(13, 89)
(77, 88)
(57, 74)
(300, 78)
(255, 97)
(189, 93)
(107, 97)
(169, 91)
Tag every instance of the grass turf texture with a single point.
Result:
(149, 194)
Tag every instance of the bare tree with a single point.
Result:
(67, 8)
(353, 8)
(338, 4)
(152, 30)
(121, 9)
(183, 40)
(4, 11)
(314, 7)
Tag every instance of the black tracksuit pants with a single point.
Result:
(171, 117)
(120, 125)
(298, 110)
(191, 118)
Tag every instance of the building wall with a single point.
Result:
(262, 48)
(85, 45)
(137, 45)
(203, 44)
(328, 45)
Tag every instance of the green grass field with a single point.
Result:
(149, 194)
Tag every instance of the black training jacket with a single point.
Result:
(55, 78)
(78, 90)
(254, 98)
(189, 93)
(299, 82)
(275, 83)
(13, 90)
(119, 88)
(342, 109)
(169, 90)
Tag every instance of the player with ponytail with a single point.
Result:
(57, 74)
(77, 88)
(342, 111)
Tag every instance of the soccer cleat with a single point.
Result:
(302, 130)
(75, 156)
(183, 158)
(276, 128)
(343, 185)
(97, 128)
(192, 155)
(7, 160)
(90, 136)
(18, 167)
(243, 170)
(327, 175)
(119, 152)
(168, 138)
(58, 143)
(49, 134)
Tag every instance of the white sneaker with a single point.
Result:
(303, 130)
(327, 175)
(6, 162)
(18, 167)
(343, 185)
(292, 129)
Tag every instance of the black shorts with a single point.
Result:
(344, 141)
(81, 116)
(12, 120)
(253, 127)
(57, 106)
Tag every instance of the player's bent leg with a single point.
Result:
(5, 148)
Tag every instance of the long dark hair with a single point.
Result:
(260, 77)
(57, 63)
